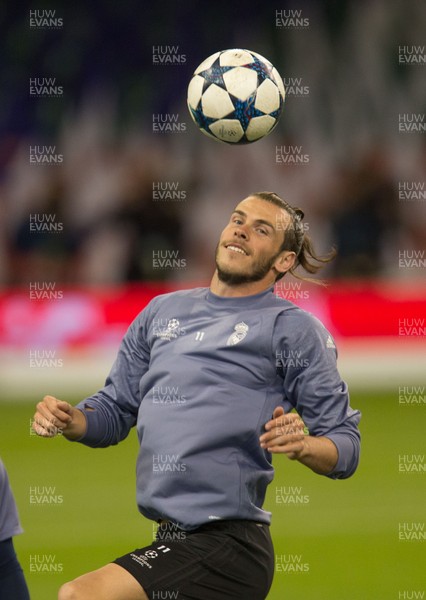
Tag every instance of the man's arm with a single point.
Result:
(285, 434)
(319, 454)
(313, 386)
(106, 417)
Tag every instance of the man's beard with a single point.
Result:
(260, 269)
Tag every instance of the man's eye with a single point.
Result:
(262, 231)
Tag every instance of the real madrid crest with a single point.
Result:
(240, 332)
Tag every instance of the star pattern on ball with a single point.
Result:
(245, 111)
(214, 74)
(263, 70)
(201, 119)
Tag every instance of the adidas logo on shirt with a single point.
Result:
(329, 343)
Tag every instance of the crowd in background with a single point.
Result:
(101, 191)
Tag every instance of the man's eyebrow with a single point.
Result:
(260, 221)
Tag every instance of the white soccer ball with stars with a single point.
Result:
(236, 96)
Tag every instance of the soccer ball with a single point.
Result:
(236, 96)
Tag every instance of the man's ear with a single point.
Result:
(285, 261)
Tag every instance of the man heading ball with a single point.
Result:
(205, 457)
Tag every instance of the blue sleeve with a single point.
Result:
(112, 412)
(313, 386)
(9, 520)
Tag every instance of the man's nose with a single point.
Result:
(241, 232)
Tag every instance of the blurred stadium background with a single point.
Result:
(71, 282)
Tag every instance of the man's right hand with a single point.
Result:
(55, 417)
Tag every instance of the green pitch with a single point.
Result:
(334, 540)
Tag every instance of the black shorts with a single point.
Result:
(12, 582)
(218, 561)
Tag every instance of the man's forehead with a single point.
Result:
(258, 208)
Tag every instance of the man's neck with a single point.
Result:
(226, 290)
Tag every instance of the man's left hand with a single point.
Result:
(285, 434)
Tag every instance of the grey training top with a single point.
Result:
(200, 375)
(9, 521)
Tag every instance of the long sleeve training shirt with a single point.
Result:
(200, 375)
